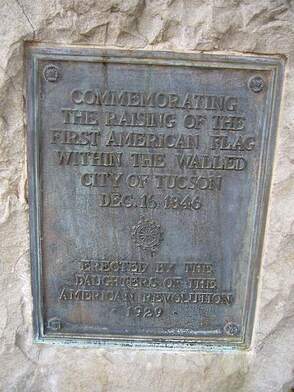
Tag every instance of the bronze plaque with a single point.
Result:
(149, 176)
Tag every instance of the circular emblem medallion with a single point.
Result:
(51, 73)
(147, 234)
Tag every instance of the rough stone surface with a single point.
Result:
(221, 26)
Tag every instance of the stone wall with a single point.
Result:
(219, 26)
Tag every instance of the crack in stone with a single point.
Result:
(25, 15)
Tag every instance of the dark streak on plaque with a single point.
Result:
(149, 177)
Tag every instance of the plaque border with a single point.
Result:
(275, 64)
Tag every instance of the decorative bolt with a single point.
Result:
(231, 329)
(54, 324)
(256, 84)
(51, 73)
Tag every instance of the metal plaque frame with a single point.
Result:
(35, 54)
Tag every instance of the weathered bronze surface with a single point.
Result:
(149, 175)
